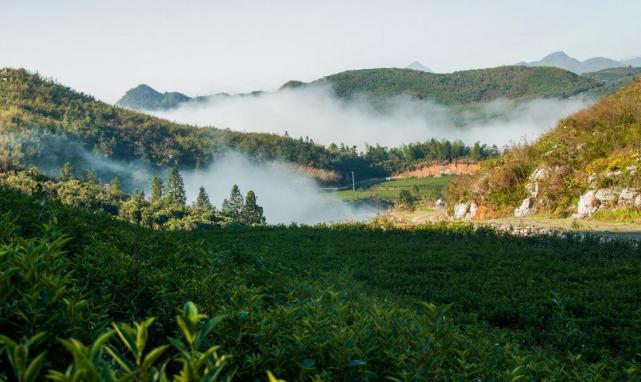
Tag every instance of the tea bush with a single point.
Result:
(342, 302)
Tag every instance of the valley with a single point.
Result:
(282, 197)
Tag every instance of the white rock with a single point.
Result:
(627, 197)
(607, 195)
(526, 208)
(637, 202)
(440, 203)
(460, 210)
(588, 204)
(592, 181)
(472, 213)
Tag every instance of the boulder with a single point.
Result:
(465, 211)
(637, 202)
(440, 203)
(526, 208)
(607, 196)
(588, 204)
(460, 210)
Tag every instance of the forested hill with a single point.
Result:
(464, 87)
(46, 124)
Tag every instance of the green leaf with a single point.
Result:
(31, 374)
(153, 356)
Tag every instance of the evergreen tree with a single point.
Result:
(156, 190)
(132, 209)
(202, 202)
(114, 190)
(90, 176)
(252, 213)
(67, 172)
(233, 206)
(174, 191)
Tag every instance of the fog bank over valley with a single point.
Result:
(316, 113)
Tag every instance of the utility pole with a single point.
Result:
(353, 183)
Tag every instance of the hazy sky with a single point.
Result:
(200, 47)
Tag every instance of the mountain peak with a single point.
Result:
(144, 97)
(418, 66)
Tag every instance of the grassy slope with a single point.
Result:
(603, 138)
(465, 87)
(429, 187)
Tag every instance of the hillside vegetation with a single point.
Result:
(464, 87)
(307, 303)
(596, 148)
(45, 124)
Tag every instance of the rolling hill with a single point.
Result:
(594, 64)
(464, 87)
(519, 83)
(46, 124)
(588, 165)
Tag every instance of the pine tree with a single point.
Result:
(156, 190)
(252, 213)
(67, 172)
(202, 202)
(175, 189)
(233, 206)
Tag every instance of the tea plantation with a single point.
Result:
(346, 302)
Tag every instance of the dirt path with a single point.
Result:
(525, 226)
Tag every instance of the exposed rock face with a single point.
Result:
(465, 211)
(526, 208)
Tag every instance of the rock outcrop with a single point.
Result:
(607, 198)
(465, 211)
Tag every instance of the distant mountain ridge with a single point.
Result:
(594, 64)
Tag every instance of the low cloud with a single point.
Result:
(316, 113)
(285, 194)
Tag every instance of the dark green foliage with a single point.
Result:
(329, 303)
(251, 213)
(174, 191)
(406, 200)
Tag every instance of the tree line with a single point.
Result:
(166, 207)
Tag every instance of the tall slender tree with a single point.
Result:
(233, 206)
(174, 191)
(252, 213)
(202, 202)
(156, 190)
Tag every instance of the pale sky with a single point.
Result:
(201, 47)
